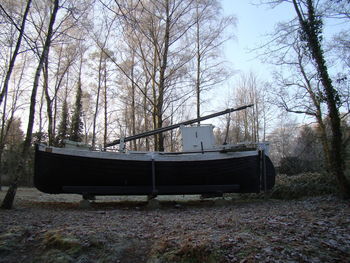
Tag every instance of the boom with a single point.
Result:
(174, 126)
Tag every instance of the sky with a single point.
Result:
(253, 23)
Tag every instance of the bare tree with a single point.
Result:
(164, 59)
(9, 198)
(300, 92)
(282, 138)
(308, 25)
(209, 37)
(311, 33)
(249, 125)
(16, 50)
(102, 56)
(11, 106)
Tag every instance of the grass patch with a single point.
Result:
(185, 252)
(59, 248)
(8, 243)
(11, 240)
(55, 240)
(56, 256)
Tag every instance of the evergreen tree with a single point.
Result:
(77, 124)
(63, 125)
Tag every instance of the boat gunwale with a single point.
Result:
(148, 156)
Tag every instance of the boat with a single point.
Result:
(200, 168)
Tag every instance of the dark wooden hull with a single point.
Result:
(81, 172)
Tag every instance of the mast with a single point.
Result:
(174, 126)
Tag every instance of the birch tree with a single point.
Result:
(11, 65)
(9, 198)
(209, 34)
(100, 59)
(249, 125)
(160, 26)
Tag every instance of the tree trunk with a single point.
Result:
(198, 73)
(159, 120)
(105, 134)
(97, 99)
(145, 116)
(133, 105)
(315, 97)
(161, 85)
(10, 195)
(324, 142)
(48, 101)
(154, 95)
(3, 134)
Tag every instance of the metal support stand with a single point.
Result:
(154, 189)
(89, 197)
(263, 178)
(84, 204)
(152, 202)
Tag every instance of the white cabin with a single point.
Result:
(201, 138)
(197, 138)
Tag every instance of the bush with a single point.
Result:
(9, 167)
(294, 165)
(305, 184)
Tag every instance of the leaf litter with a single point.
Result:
(49, 228)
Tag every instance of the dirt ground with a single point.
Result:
(54, 228)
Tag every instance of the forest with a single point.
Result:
(92, 71)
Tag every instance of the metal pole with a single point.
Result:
(154, 190)
(264, 172)
(171, 127)
(263, 175)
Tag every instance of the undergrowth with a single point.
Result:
(302, 185)
(185, 252)
(289, 187)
